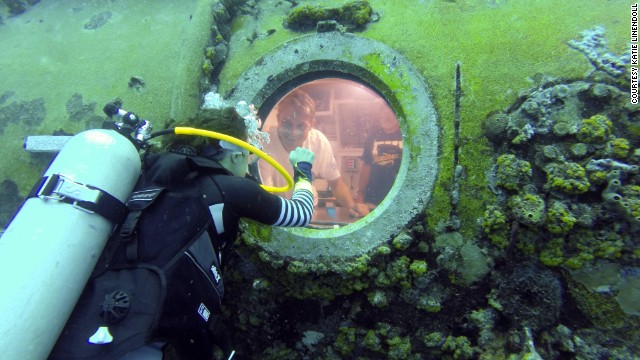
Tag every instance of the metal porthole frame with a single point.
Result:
(376, 65)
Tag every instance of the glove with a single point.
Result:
(301, 154)
(302, 171)
(301, 160)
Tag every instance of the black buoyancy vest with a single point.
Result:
(162, 280)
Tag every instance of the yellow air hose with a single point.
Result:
(243, 144)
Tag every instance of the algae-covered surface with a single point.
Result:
(545, 181)
(501, 45)
(494, 259)
(61, 62)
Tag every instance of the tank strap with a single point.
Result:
(82, 196)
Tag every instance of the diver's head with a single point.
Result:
(226, 121)
(296, 115)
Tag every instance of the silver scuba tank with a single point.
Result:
(49, 250)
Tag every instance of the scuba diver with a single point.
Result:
(191, 200)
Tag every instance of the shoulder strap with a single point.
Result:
(138, 201)
(125, 234)
(147, 193)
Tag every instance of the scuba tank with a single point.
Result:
(48, 251)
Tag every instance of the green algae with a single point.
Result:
(460, 31)
(596, 129)
(495, 226)
(491, 81)
(52, 56)
(512, 173)
(353, 15)
(567, 177)
(560, 220)
(418, 267)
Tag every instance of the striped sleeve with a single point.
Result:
(297, 211)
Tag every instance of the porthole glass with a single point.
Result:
(357, 140)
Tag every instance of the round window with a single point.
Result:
(356, 138)
(356, 87)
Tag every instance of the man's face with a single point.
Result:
(293, 127)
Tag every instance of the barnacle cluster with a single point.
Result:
(567, 177)
(577, 180)
(511, 172)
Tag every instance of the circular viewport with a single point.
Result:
(332, 67)
(357, 142)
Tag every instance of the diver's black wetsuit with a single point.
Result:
(228, 198)
(172, 268)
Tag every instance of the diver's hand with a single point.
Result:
(301, 155)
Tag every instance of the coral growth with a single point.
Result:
(596, 129)
(462, 257)
(495, 226)
(460, 347)
(528, 209)
(567, 177)
(579, 179)
(618, 148)
(593, 45)
(353, 15)
(584, 179)
(511, 172)
(559, 219)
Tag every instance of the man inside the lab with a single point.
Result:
(296, 116)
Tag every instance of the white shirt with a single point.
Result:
(324, 163)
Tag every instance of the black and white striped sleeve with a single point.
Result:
(247, 199)
(297, 211)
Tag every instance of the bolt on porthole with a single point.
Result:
(355, 136)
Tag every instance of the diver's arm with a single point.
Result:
(249, 200)
(299, 210)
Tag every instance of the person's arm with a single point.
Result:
(341, 193)
(299, 210)
(343, 196)
(365, 172)
(249, 200)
